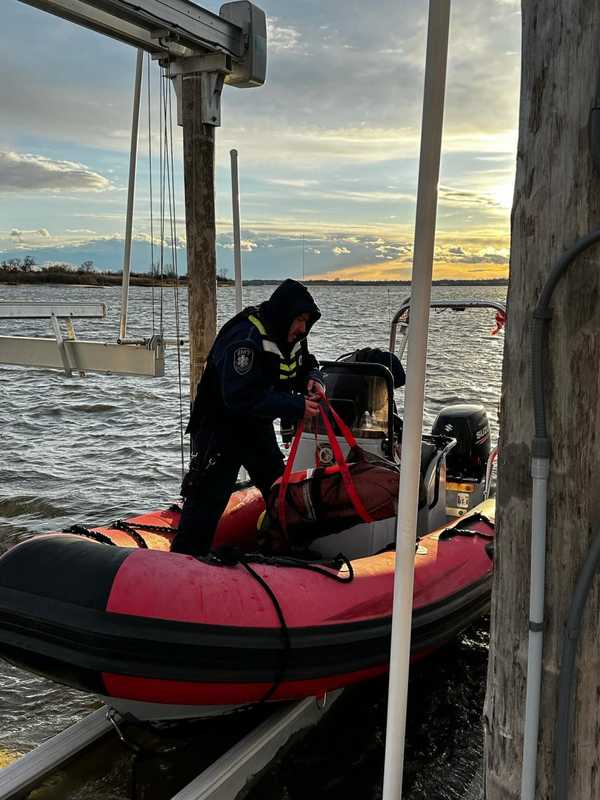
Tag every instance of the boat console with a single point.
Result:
(363, 395)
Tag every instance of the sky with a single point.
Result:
(328, 147)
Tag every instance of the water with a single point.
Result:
(93, 449)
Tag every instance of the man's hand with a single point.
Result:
(311, 408)
(315, 389)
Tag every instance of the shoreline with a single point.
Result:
(88, 280)
(92, 280)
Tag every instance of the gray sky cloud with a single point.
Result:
(24, 172)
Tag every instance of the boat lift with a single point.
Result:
(71, 354)
(228, 48)
(224, 779)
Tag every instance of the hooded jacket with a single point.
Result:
(252, 372)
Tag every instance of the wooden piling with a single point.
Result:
(199, 176)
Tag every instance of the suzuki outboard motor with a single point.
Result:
(469, 425)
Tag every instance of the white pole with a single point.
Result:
(429, 165)
(237, 244)
(130, 193)
(540, 469)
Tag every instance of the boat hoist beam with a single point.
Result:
(140, 357)
(74, 355)
(171, 30)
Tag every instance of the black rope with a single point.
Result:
(230, 557)
(126, 527)
(460, 528)
(121, 525)
(285, 633)
(97, 536)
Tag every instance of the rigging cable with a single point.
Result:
(152, 265)
(173, 225)
(162, 192)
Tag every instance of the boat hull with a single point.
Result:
(185, 637)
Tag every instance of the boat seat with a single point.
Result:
(432, 489)
(369, 538)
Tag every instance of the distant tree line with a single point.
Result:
(26, 270)
(28, 263)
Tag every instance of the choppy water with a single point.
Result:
(93, 449)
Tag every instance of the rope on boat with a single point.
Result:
(121, 525)
(231, 556)
(460, 528)
(97, 536)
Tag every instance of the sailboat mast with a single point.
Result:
(199, 176)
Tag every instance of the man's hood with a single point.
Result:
(287, 302)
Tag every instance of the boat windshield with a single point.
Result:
(361, 400)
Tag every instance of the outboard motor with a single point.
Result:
(466, 462)
(469, 425)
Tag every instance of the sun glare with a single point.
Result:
(503, 194)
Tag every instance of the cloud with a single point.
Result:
(341, 251)
(460, 255)
(465, 198)
(299, 183)
(281, 37)
(41, 233)
(246, 245)
(25, 172)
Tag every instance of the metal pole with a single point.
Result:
(131, 193)
(237, 245)
(429, 164)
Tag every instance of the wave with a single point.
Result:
(21, 505)
(93, 408)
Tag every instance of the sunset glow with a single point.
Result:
(328, 148)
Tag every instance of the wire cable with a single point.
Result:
(173, 223)
(152, 267)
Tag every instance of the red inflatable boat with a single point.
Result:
(162, 634)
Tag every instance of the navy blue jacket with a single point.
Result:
(244, 380)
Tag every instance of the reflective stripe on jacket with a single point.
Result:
(247, 377)
(288, 366)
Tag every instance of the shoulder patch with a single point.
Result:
(243, 360)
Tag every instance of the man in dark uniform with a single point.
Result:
(259, 368)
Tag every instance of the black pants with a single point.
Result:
(211, 479)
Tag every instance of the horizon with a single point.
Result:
(328, 148)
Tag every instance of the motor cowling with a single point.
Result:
(468, 424)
